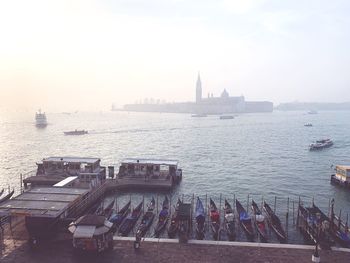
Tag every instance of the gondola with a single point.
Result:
(341, 236)
(117, 217)
(130, 221)
(184, 217)
(106, 211)
(229, 221)
(259, 222)
(275, 223)
(200, 219)
(163, 218)
(245, 221)
(147, 219)
(7, 197)
(318, 218)
(214, 219)
(1, 192)
(174, 223)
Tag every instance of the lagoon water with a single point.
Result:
(263, 155)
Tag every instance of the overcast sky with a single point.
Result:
(67, 55)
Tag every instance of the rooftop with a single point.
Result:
(72, 159)
(150, 161)
(46, 201)
(344, 167)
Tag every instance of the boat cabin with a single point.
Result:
(342, 175)
(92, 233)
(54, 169)
(150, 169)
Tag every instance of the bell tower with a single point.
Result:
(198, 89)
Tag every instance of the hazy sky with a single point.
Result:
(66, 55)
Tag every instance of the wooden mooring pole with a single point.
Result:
(206, 207)
(293, 215)
(287, 215)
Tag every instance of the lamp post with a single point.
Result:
(315, 256)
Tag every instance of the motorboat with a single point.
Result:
(320, 144)
(198, 115)
(226, 117)
(40, 119)
(308, 124)
(312, 112)
(76, 132)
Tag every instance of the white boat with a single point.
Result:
(40, 119)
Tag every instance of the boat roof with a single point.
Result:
(66, 181)
(344, 167)
(72, 159)
(150, 161)
(42, 201)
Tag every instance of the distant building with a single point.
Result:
(211, 105)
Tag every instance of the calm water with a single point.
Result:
(264, 155)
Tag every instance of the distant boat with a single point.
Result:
(226, 117)
(320, 144)
(308, 124)
(199, 115)
(312, 112)
(66, 113)
(40, 119)
(76, 132)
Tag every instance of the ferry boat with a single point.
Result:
(40, 119)
(320, 144)
(76, 132)
(199, 115)
(226, 117)
(150, 169)
(341, 176)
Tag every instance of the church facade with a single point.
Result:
(217, 105)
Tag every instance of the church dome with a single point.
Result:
(224, 94)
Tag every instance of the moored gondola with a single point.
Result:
(245, 221)
(117, 217)
(314, 225)
(129, 223)
(229, 221)
(147, 219)
(259, 222)
(200, 219)
(174, 223)
(105, 211)
(338, 231)
(184, 217)
(162, 218)
(7, 197)
(275, 223)
(214, 219)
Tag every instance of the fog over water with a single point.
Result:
(86, 55)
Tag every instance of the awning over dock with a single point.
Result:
(42, 201)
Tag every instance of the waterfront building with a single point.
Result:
(211, 105)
